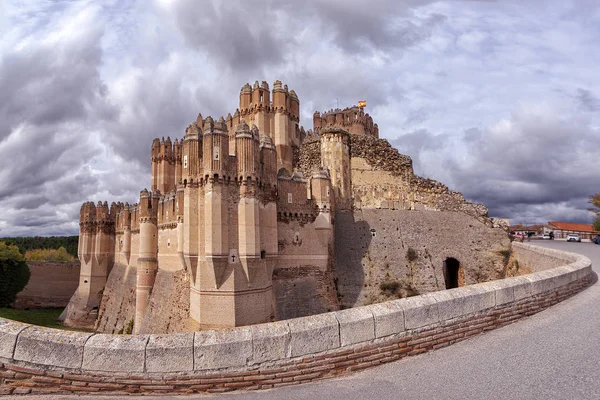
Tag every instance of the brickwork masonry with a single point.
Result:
(41, 360)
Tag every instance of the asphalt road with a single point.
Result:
(554, 354)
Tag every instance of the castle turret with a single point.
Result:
(96, 253)
(317, 124)
(166, 167)
(268, 206)
(335, 156)
(191, 153)
(248, 151)
(87, 242)
(103, 246)
(282, 137)
(215, 144)
(248, 206)
(295, 106)
(147, 263)
(268, 156)
(126, 245)
(200, 122)
(245, 96)
(231, 129)
(352, 119)
(91, 282)
(155, 157)
(177, 161)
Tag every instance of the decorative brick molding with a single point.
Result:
(41, 360)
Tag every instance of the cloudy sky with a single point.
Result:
(497, 99)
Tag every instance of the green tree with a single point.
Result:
(60, 255)
(38, 242)
(596, 224)
(595, 202)
(14, 273)
(595, 208)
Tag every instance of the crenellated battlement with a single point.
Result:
(352, 119)
(166, 164)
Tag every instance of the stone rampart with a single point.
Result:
(51, 284)
(42, 360)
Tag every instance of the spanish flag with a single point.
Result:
(362, 103)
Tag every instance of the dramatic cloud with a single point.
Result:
(496, 99)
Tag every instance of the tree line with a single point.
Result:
(25, 244)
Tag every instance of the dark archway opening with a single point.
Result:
(451, 267)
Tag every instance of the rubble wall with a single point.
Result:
(169, 306)
(386, 254)
(117, 308)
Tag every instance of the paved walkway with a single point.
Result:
(554, 354)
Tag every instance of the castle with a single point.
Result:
(251, 219)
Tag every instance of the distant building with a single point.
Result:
(562, 229)
(522, 230)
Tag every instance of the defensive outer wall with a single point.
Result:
(42, 360)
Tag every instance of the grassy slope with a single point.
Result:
(39, 316)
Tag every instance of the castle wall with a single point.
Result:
(302, 281)
(51, 284)
(405, 251)
(168, 258)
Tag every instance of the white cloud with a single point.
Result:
(496, 99)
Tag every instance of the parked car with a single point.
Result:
(546, 236)
(596, 239)
(573, 237)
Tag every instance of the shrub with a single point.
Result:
(14, 273)
(506, 255)
(56, 255)
(411, 254)
(129, 328)
(389, 287)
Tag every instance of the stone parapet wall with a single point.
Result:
(534, 260)
(42, 360)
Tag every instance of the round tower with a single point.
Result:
(155, 162)
(126, 247)
(177, 162)
(87, 231)
(215, 144)
(147, 264)
(335, 156)
(248, 151)
(245, 96)
(295, 106)
(268, 157)
(279, 96)
(190, 153)
(317, 123)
